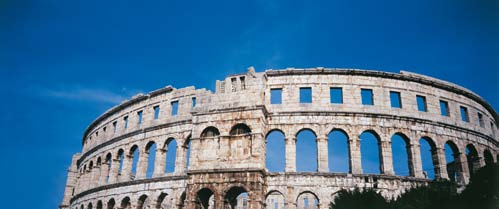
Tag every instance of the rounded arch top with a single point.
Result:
(210, 131)
(240, 129)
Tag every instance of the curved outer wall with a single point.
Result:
(227, 162)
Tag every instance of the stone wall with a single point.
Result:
(216, 142)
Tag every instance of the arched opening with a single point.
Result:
(236, 198)
(82, 207)
(370, 151)
(151, 158)
(401, 155)
(109, 163)
(171, 155)
(275, 158)
(429, 158)
(487, 155)
(187, 147)
(111, 203)
(338, 152)
(90, 206)
(205, 199)
(472, 158)
(182, 200)
(275, 200)
(307, 200)
(210, 132)
(121, 158)
(306, 151)
(90, 166)
(143, 202)
(125, 203)
(240, 129)
(164, 202)
(134, 153)
(452, 162)
(99, 204)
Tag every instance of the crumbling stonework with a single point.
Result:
(218, 141)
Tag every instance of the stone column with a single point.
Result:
(439, 163)
(416, 163)
(159, 162)
(354, 152)
(114, 171)
(142, 165)
(104, 173)
(180, 159)
(322, 154)
(386, 157)
(461, 168)
(96, 171)
(126, 171)
(290, 155)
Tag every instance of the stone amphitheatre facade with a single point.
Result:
(210, 148)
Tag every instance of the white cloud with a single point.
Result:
(86, 94)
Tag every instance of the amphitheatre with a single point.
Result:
(210, 149)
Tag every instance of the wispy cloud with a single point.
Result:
(87, 94)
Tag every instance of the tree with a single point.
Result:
(366, 199)
(483, 190)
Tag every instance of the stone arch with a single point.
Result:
(120, 156)
(275, 151)
(90, 165)
(171, 154)
(150, 156)
(472, 158)
(236, 196)
(142, 202)
(205, 199)
(99, 204)
(82, 207)
(163, 201)
(452, 160)
(111, 203)
(306, 151)
(371, 158)
(210, 131)
(187, 147)
(90, 206)
(134, 155)
(401, 152)
(488, 158)
(307, 200)
(339, 151)
(126, 203)
(275, 199)
(240, 129)
(429, 157)
(99, 161)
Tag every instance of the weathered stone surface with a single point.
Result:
(223, 138)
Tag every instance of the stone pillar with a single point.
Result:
(114, 171)
(386, 157)
(180, 159)
(95, 175)
(142, 165)
(290, 203)
(71, 183)
(461, 168)
(126, 171)
(322, 154)
(439, 163)
(415, 162)
(290, 155)
(354, 152)
(159, 162)
(104, 173)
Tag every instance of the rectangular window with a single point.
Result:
(114, 126)
(156, 112)
(492, 128)
(139, 117)
(444, 108)
(421, 100)
(125, 119)
(464, 114)
(336, 94)
(193, 101)
(480, 120)
(367, 96)
(395, 99)
(275, 96)
(233, 83)
(305, 95)
(174, 108)
(96, 134)
(104, 129)
(243, 82)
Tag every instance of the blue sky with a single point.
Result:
(63, 63)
